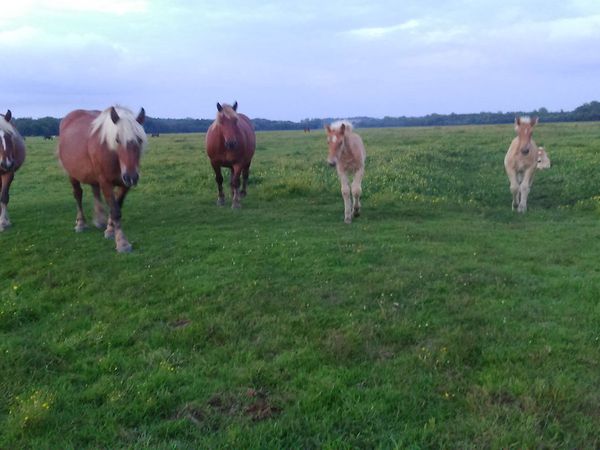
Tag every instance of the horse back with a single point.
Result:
(249, 135)
(73, 142)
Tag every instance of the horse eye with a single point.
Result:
(139, 140)
(118, 140)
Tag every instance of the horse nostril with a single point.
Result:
(134, 179)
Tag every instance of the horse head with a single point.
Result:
(227, 118)
(524, 128)
(335, 140)
(123, 133)
(7, 146)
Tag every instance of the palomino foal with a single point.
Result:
(347, 153)
(521, 161)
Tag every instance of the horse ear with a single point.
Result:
(8, 115)
(534, 120)
(235, 106)
(343, 128)
(328, 128)
(219, 107)
(141, 116)
(114, 115)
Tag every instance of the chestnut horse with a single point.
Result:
(103, 149)
(521, 161)
(12, 156)
(347, 153)
(230, 142)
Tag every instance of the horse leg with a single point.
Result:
(245, 175)
(346, 195)
(114, 223)
(5, 181)
(357, 191)
(78, 194)
(236, 171)
(514, 188)
(99, 213)
(524, 188)
(219, 180)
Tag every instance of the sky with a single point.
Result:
(292, 60)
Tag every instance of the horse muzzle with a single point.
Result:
(331, 162)
(230, 145)
(130, 180)
(7, 164)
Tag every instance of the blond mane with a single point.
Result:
(338, 124)
(227, 111)
(7, 127)
(125, 130)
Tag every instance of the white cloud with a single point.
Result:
(372, 33)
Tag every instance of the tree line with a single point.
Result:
(48, 126)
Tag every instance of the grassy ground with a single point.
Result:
(438, 319)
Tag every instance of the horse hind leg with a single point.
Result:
(346, 196)
(80, 224)
(235, 187)
(357, 192)
(99, 213)
(245, 176)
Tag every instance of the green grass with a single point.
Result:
(438, 319)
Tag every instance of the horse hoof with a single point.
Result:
(80, 228)
(243, 194)
(348, 220)
(124, 247)
(356, 213)
(5, 225)
(109, 234)
(236, 205)
(100, 225)
(221, 202)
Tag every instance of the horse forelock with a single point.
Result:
(335, 126)
(226, 111)
(7, 127)
(125, 130)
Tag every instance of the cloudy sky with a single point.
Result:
(298, 59)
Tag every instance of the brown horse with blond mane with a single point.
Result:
(230, 142)
(12, 156)
(103, 149)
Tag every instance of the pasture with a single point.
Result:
(438, 319)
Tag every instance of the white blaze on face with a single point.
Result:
(2, 139)
(334, 139)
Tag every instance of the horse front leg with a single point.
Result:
(357, 191)
(5, 181)
(219, 180)
(114, 223)
(99, 213)
(80, 224)
(236, 171)
(346, 195)
(525, 187)
(514, 187)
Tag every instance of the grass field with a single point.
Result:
(438, 319)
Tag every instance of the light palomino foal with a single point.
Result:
(543, 162)
(347, 153)
(521, 162)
